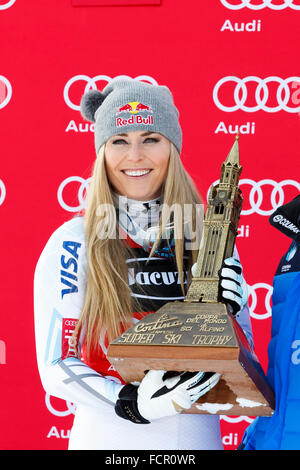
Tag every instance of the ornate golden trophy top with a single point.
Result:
(219, 231)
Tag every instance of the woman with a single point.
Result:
(126, 257)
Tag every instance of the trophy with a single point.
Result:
(200, 334)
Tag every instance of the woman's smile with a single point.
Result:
(137, 172)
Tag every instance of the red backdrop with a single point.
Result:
(231, 65)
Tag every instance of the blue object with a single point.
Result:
(282, 430)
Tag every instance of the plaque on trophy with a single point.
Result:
(200, 334)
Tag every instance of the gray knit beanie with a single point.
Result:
(127, 105)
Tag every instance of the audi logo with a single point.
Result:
(240, 94)
(83, 187)
(256, 194)
(252, 300)
(2, 192)
(71, 322)
(7, 5)
(91, 84)
(260, 6)
(5, 91)
(70, 407)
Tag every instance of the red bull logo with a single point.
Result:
(134, 120)
(134, 108)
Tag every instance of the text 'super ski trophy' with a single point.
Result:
(199, 334)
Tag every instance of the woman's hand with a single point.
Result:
(233, 287)
(158, 396)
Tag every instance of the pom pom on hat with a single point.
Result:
(90, 102)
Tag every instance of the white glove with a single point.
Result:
(157, 397)
(233, 285)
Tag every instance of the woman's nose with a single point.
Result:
(134, 152)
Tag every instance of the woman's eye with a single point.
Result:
(119, 142)
(151, 140)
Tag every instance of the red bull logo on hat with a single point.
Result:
(134, 108)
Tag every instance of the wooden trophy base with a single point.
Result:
(187, 336)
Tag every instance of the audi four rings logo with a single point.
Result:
(91, 84)
(256, 195)
(7, 5)
(5, 91)
(260, 6)
(261, 95)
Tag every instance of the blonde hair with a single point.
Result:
(108, 304)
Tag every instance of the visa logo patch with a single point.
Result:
(69, 265)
